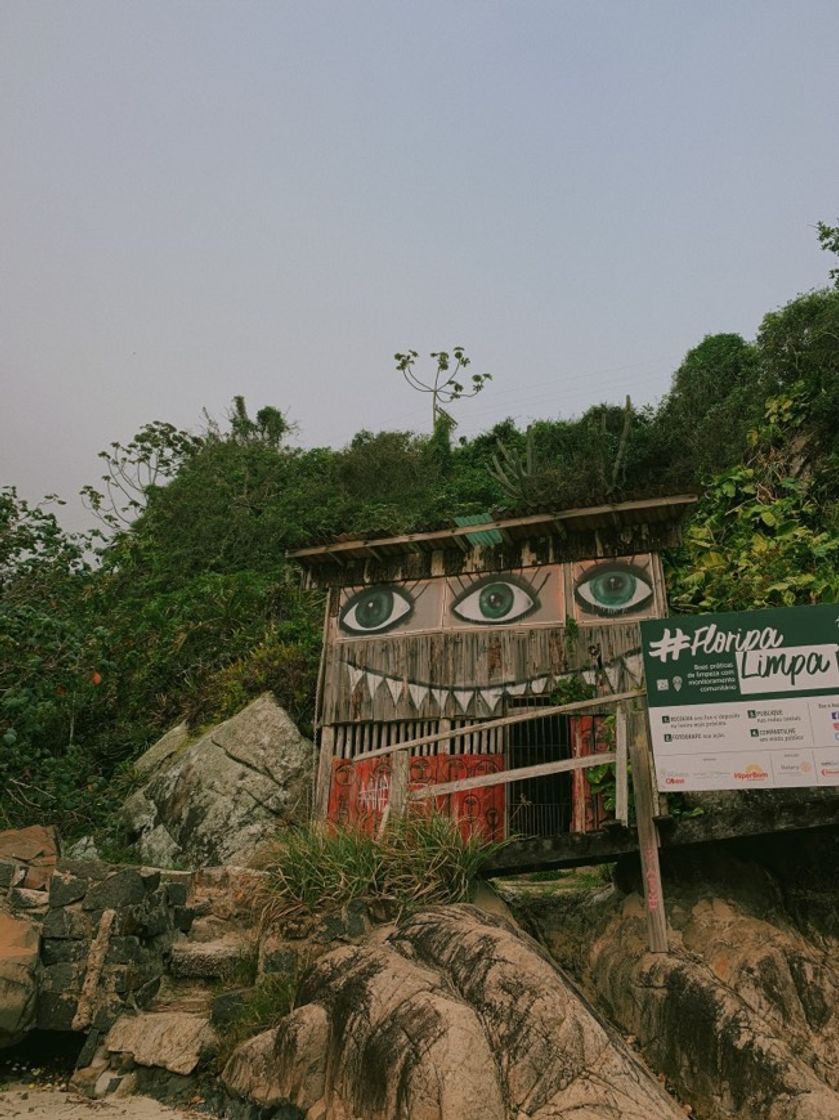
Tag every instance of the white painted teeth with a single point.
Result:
(463, 697)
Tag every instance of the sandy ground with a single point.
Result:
(56, 1104)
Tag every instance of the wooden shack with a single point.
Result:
(450, 629)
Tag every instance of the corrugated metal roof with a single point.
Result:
(485, 536)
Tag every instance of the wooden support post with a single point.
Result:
(400, 769)
(445, 745)
(324, 778)
(397, 797)
(646, 803)
(621, 769)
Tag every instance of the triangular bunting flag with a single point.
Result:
(516, 689)
(418, 692)
(463, 697)
(355, 676)
(538, 685)
(394, 684)
(491, 696)
(440, 696)
(373, 682)
(612, 676)
(589, 676)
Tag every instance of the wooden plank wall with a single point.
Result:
(463, 659)
(352, 739)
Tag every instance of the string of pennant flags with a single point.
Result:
(371, 681)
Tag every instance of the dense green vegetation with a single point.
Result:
(419, 860)
(186, 604)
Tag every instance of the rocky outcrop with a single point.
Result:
(218, 798)
(453, 1014)
(19, 942)
(176, 1041)
(28, 857)
(742, 1013)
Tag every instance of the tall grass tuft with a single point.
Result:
(419, 861)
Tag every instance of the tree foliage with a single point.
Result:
(187, 606)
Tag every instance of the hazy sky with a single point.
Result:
(270, 198)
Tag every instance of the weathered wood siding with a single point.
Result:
(623, 540)
(473, 661)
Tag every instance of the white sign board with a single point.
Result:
(745, 700)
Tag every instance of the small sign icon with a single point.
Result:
(834, 715)
(662, 685)
(666, 719)
(677, 683)
(752, 714)
(755, 734)
(669, 738)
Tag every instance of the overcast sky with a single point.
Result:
(270, 198)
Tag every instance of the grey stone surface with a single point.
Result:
(66, 888)
(8, 872)
(124, 888)
(173, 742)
(218, 798)
(66, 922)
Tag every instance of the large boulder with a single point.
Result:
(216, 799)
(454, 1014)
(742, 1012)
(19, 941)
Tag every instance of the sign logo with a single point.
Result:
(752, 773)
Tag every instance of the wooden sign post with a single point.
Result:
(621, 776)
(646, 803)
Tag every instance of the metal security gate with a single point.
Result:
(539, 806)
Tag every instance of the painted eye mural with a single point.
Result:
(543, 595)
(612, 588)
(496, 599)
(375, 610)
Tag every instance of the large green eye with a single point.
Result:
(375, 609)
(614, 588)
(496, 599)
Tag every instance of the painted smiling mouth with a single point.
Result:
(421, 693)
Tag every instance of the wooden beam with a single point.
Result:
(505, 777)
(505, 721)
(648, 841)
(531, 521)
(621, 773)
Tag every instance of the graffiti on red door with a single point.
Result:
(360, 791)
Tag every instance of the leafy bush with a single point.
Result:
(766, 533)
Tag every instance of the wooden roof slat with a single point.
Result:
(649, 509)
